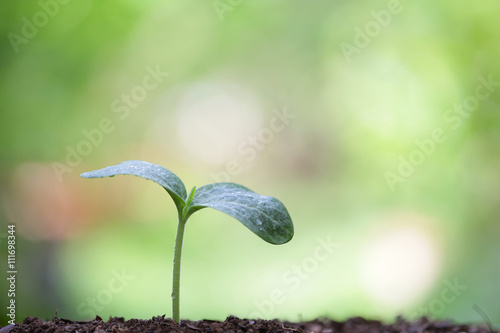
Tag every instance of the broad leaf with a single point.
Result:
(167, 179)
(265, 216)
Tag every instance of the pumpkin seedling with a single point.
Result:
(265, 216)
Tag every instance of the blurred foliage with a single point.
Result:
(234, 70)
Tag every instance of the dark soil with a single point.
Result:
(233, 324)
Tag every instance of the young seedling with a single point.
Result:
(266, 216)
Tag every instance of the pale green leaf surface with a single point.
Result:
(264, 215)
(167, 179)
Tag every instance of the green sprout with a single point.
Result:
(265, 216)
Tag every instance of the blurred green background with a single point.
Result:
(375, 122)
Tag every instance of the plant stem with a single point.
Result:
(177, 268)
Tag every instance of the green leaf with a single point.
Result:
(266, 216)
(167, 179)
